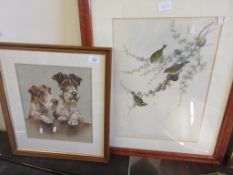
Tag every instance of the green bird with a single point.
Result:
(138, 100)
(175, 68)
(157, 55)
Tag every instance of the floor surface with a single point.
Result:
(118, 165)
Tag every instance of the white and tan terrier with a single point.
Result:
(67, 109)
(42, 104)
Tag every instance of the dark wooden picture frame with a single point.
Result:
(223, 135)
(220, 146)
(106, 53)
(85, 23)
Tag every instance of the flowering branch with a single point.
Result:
(188, 53)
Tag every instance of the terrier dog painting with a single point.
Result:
(57, 102)
(67, 109)
(42, 104)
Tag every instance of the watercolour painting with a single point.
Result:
(163, 68)
(43, 97)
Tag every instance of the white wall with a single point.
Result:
(39, 21)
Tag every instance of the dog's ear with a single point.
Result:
(58, 77)
(75, 79)
(33, 90)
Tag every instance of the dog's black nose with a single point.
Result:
(54, 101)
(74, 93)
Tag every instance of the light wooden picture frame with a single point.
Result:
(60, 103)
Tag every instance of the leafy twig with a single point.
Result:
(138, 69)
(143, 59)
(204, 29)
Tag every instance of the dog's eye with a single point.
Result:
(40, 93)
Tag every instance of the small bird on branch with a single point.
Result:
(156, 56)
(175, 68)
(138, 100)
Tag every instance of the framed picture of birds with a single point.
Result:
(165, 101)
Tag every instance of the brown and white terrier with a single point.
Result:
(42, 104)
(67, 109)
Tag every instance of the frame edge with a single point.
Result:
(85, 23)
